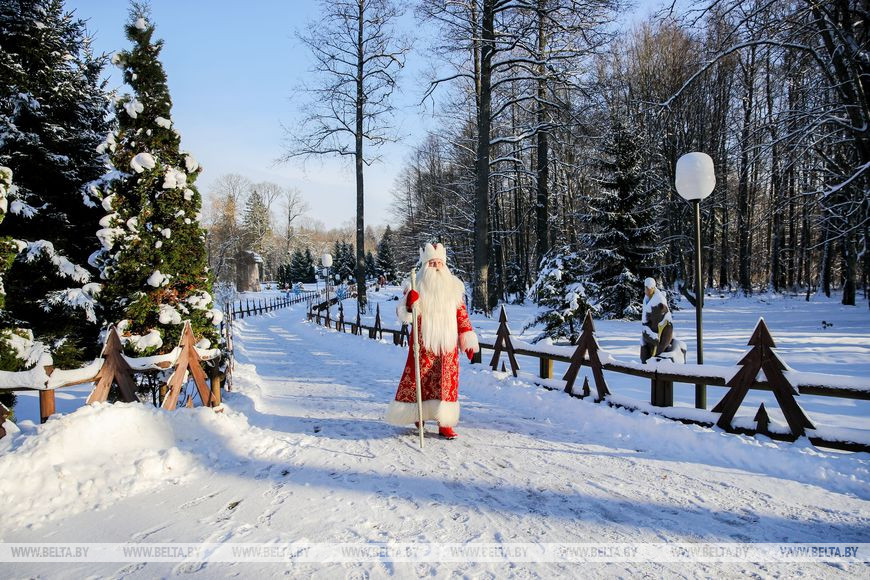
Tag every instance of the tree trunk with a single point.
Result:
(850, 267)
(743, 256)
(360, 205)
(543, 172)
(480, 294)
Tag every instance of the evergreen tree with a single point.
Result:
(9, 335)
(308, 272)
(297, 267)
(371, 266)
(346, 265)
(256, 226)
(338, 249)
(622, 247)
(154, 257)
(563, 292)
(53, 116)
(386, 257)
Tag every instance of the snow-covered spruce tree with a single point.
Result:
(256, 224)
(622, 244)
(308, 268)
(563, 293)
(346, 264)
(371, 266)
(53, 115)
(386, 257)
(9, 359)
(153, 261)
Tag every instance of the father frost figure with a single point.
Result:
(444, 329)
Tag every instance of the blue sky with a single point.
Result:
(232, 67)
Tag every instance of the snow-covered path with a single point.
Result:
(302, 454)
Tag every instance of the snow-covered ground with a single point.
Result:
(300, 454)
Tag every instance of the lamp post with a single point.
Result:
(326, 260)
(695, 181)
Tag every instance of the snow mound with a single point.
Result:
(88, 460)
(103, 453)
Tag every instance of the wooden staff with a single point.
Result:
(414, 331)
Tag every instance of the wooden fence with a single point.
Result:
(112, 367)
(760, 369)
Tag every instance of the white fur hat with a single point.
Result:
(430, 252)
(649, 283)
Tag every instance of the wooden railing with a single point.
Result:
(739, 379)
(112, 367)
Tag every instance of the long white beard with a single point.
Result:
(441, 293)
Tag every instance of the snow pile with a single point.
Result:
(163, 122)
(174, 179)
(140, 24)
(169, 315)
(190, 163)
(157, 279)
(87, 460)
(142, 161)
(133, 108)
(103, 453)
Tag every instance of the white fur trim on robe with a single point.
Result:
(445, 412)
(468, 341)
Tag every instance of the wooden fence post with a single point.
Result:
(376, 331)
(587, 346)
(46, 405)
(762, 358)
(545, 367)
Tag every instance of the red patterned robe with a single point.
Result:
(439, 379)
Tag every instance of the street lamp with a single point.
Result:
(695, 180)
(326, 260)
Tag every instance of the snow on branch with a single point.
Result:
(34, 250)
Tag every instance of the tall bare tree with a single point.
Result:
(357, 56)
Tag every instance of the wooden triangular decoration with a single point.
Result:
(587, 346)
(115, 370)
(503, 343)
(761, 335)
(357, 327)
(188, 361)
(761, 357)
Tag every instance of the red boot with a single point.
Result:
(447, 432)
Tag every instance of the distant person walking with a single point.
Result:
(658, 327)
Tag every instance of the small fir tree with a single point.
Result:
(154, 257)
(256, 226)
(308, 268)
(346, 265)
(386, 257)
(622, 248)
(371, 266)
(563, 293)
(53, 115)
